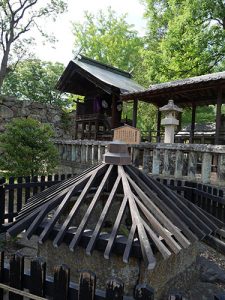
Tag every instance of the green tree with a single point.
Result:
(109, 39)
(35, 80)
(185, 38)
(27, 149)
(16, 19)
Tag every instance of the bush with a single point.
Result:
(27, 148)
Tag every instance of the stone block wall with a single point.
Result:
(10, 108)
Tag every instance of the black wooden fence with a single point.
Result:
(14, 193)
(16, 283)
(208, 197)
(34, 284)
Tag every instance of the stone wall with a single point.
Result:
(175, 272)
(10, 108)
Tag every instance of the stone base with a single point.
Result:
(168, 274)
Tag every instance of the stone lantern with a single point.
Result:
(170, 122)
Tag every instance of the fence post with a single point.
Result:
(11, 200)
(27, 189)
(114, 289)
(87, 285)
(143, 292)
(35, 187)
(2, 200)
(19, 194)
(16, 275)
(61, 282)
(37, 277)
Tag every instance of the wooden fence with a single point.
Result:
(208, 197)
(34, 284)
(14, 193)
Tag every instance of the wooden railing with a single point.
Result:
(195, 162)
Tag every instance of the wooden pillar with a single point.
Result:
(116, 115)
(192, 133)
(158, 125)
(135, 108)
(218, 115)
(114, 111)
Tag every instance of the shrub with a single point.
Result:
(27, 148)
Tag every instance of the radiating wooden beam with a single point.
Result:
(89, 211)
(147, 252)
(102, 217)
(115, 229)
(59, 238)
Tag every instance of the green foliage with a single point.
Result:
(185, 38)
(17, 18)
(35, 80)
(27, 149)
(109, 39)
(204, 114)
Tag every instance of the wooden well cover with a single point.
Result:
(127, 134)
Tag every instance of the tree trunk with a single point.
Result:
(4, 64)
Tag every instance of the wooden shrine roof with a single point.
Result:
(160, 218)
(85, 76)
(200, 90)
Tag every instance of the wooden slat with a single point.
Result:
(128, 247)
(61, 283)
(102, 217)
(115, 229)
(180, 209)
(165, 208)
(37, 277)
(87, 285)
(161, 217)
(58, 239)
(11, 200)
(157, 241)
(53, 190)
(43, 198)
(158, 228)
(89, 211)
(19, 194)
(142, 236)
(183, 207)
(51, 205)
(16, 275)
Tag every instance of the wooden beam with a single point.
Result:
(218, 114)
(158, 125)
(135, 109)
(192, 132)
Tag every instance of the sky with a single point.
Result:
(62, 28)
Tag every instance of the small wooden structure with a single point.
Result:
(159, 219)
(127, 134)
(190, 92)
(101, 86)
